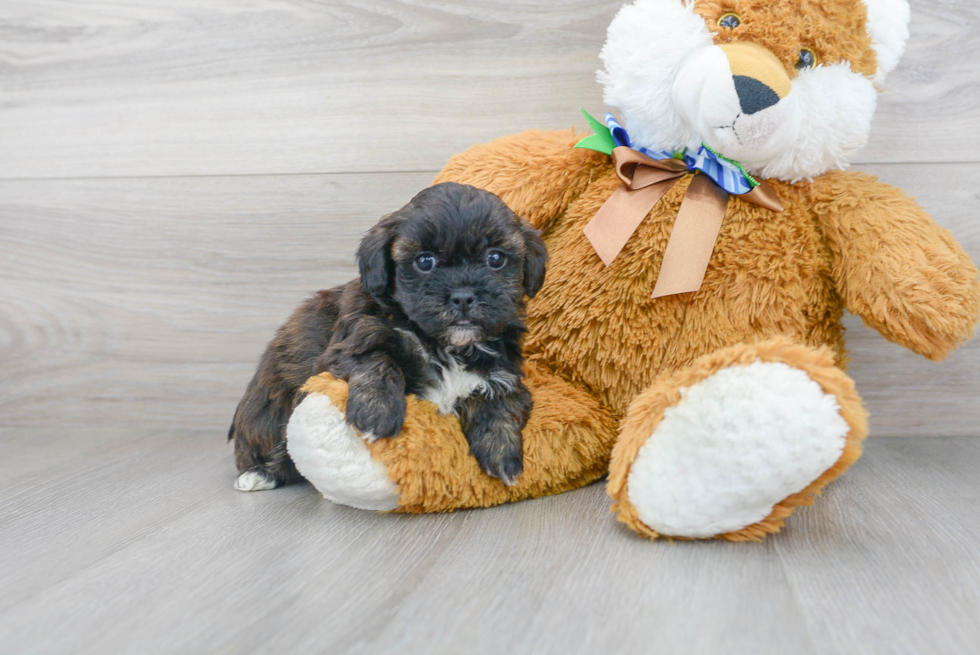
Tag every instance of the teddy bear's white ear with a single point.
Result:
(888, 25)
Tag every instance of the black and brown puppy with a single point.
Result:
(437, 312)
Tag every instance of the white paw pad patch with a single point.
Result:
(254, 481)
(332, 456)
(737, 444)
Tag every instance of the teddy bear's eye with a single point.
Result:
(806, 60)
(729, 20)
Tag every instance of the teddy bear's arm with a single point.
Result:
(537, 173)
(895, 267)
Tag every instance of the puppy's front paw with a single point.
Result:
(500, 456)
(375, 413)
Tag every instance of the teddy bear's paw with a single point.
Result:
(738, 443)
(329, 453)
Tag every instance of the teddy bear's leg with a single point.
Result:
(428, 466)
(330, 453)
(729, 446)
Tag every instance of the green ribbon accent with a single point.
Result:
(602, 141)
(752, 181)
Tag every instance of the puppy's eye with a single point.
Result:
(425, 262)
(806, 60)
(496, 259)
(729, 21)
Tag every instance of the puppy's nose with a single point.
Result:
(753, 95)
(463, 298)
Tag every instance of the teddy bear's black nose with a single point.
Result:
(753, 95)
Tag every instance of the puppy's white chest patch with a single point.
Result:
(455, 383)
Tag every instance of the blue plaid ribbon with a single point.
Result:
(726, 174)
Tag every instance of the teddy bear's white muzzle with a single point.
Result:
(740, 116)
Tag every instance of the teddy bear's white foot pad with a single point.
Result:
(332, 456)
(738, 443)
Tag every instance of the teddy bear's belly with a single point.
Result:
(769, 274)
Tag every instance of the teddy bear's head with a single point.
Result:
(785, 87)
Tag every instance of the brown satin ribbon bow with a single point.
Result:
(645, 181)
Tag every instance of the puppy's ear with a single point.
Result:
(374, 256)
(535, 259)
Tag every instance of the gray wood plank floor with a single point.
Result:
(176, 176)
(130, 541)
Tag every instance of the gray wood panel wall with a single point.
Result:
(175, 177)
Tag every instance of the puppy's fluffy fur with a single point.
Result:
(437, 312)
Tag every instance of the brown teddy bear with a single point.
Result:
(687, 340)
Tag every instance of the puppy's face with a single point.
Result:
(457, 260)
